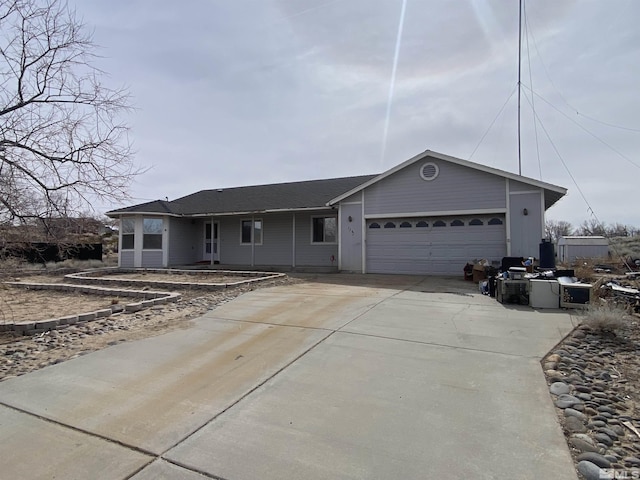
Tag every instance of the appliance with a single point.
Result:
(517, 273)
(574, 294)
(512, 291)
(544, 293)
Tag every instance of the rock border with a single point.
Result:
(29, 327)
(601, 427)
(85, 277)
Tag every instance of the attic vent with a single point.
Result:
(429, 171)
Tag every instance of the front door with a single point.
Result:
(211, 247)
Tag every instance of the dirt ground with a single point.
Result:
(20, 304)
(23, 354)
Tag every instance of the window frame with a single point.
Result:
(124, 233)
(324, 241)
(252, 225)
(146, 235)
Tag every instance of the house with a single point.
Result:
(572, 247)
(428, 215)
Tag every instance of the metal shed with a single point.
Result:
(571, 248)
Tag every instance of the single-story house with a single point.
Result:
(572, 247)
(429, 215)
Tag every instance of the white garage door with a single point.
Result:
(433, 245)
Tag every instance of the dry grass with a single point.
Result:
(625, 246)
(605, 317)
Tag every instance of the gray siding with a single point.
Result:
(277, 240)
(308, 254)
(126, 259)
(231, 251)
(526, 230)
(152, 259)
(351, 237)
(185, 242)
(455, 188)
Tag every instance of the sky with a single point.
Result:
(247, 92)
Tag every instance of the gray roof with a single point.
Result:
(259, 198)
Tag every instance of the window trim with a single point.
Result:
(253, 230)
(324, 242)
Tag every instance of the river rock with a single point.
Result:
(559, 388)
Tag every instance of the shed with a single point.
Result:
(571, 248)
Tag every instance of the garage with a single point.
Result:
(433, 245)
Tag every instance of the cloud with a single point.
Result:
(260, 91)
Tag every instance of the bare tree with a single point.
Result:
(591, 227)
(556, 229)
(62, 143)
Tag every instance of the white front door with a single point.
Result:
(211, 243)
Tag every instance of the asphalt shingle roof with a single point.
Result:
(258, 198)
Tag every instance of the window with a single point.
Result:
(324, 230)
(457, 223)
(246, 231)
(476, 221)
(374, 225)
(127, 226)
(152, 234)
(439, 223)
(422, 224)
(405, 225)
(495, 221)
(389, 225)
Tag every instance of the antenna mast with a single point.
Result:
(519, 85)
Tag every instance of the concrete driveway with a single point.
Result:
(341, 376)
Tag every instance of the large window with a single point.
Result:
(324, 230)
(127, 227)
(246, 231)
(152, 234)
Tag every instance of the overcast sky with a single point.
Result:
(245, 92)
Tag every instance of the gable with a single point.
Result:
(453, 188)
(552, 193)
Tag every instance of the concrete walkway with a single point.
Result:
(354, 377)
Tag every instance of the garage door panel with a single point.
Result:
(432, 250)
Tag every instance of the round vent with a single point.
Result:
(429, 171)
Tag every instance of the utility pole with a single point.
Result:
(519, 85)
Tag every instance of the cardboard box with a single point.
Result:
(479, 273)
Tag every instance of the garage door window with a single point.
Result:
(374, 225)
(495, 221)
(389, 225)
(439, 223)
(476, 221)
(324, 230)
(422, 224)
(405, 225)
(457, 223)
